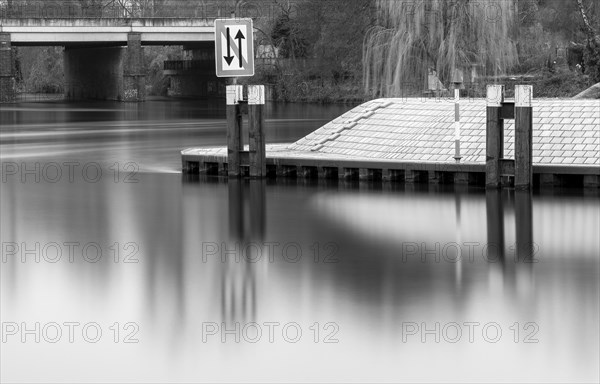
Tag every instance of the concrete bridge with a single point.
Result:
(103, 57)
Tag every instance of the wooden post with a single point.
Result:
(256, 121)
(523, 136)
(494, 136)
(234, 130)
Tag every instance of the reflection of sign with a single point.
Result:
(234, 47)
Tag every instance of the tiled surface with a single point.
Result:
(565, 132)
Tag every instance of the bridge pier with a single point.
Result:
(134, 75)
(7, 70)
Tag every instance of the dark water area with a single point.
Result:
(204, 279)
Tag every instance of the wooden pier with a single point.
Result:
(412, 141)
(282, 163)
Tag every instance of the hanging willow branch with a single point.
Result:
(414, 36)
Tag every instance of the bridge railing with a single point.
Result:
(109, 9)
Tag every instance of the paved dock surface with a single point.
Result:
(418, 134)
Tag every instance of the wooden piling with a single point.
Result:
(256, 122)
(523, 136)
(591, 181)
(494, 136)
(547, 180)
(234, 130)
(461, 178)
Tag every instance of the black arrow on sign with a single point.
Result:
(228, 58)
(239, 38)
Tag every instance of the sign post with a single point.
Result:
(234, 55)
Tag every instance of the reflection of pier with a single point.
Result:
(247, 205)
(524, 247)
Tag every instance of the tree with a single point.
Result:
(591, 55)
(443, 35)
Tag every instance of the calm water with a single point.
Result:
(199, 279)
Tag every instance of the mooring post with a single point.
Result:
(494, 136)
(523, 136)
(234, 95)
(256, 121)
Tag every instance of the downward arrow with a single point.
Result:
(228, 58)
(239, 38)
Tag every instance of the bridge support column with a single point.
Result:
(7, 70)
(134, 75)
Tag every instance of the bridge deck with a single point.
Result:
(153, 31)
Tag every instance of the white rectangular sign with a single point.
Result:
(234, 47)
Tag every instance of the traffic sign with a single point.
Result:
(234, 47)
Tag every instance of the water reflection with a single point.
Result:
(247, 207)
(376, 283)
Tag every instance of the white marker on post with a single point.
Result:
(234, 94)
(256, 94)
(523, 95)
(457, 156)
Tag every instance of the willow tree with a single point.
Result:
(414, 37)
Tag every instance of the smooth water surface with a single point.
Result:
(258, 281)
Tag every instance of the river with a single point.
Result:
(116, 267)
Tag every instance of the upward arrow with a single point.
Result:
(239, 38)
(228, 58)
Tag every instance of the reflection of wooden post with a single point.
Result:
(234, 129)
(524, 227)
(523, 136)
(236, 209)
(243, 251)
(494, 136)
(258, 203)
(256, 120)
(495, 225)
